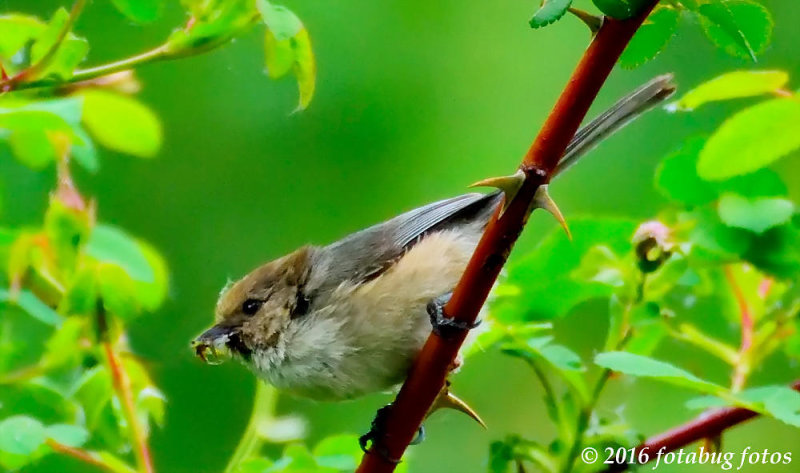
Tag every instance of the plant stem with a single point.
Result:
(90, 458)
(743, 365)
(583, 421)
(432, 366)
(263, 409)
(122, 387)
(707, 425)
(160, 53)
(121, 383)
(31, 71)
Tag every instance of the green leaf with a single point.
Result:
(677, 179)
(145, 267)
(751, 140)
(69, 54)
(21, 435)
(732, 85)
(34, 307)
(118, 291)
(620, 9)
(62, 348)
(93, 391)
(777, 252)
(121, 123)
(541, 285)
(287, 46)
(142, 11)
(293, 54)
(254, 465)
(717, 240)
(296, 459)
(642, 366)
(281, 21)
(341, 452)
(69, 435)
(780, 402)
(550, 12)
(112, 245)
(85, 154)
(741, 28)
(15, 31)
(651, 37)
(756, 215)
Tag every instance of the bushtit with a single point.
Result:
(340, 321)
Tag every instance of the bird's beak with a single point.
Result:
(213, 345)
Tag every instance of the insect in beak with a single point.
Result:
(217, 344)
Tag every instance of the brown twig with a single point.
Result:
(707, 425)
(427, 376)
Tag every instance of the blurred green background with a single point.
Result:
(414, 101)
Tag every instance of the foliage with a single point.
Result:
(69, 383)
(70, 285)
(741, 28)
(726, 243)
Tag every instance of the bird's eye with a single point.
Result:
(251, 306)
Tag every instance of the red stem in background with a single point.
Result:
(427, 376)
(122, 386)
(707, 425)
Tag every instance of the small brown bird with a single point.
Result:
(340, 321)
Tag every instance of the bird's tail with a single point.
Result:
(620, 114)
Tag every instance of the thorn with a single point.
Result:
(542, 200)
(448, 400)
(508, 184)
(591, 21)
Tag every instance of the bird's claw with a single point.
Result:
(371, 441)
(444, 326)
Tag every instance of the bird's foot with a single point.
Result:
(371, 441)
(444, 326)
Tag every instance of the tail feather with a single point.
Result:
(620, 114)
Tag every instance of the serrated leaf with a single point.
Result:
(642, 366)
(751, 140)
(121, 123)
(756, 215)
(741, 28)
(142, 11)
(620, 9)
(732, 85)
(550, 12)
(651, 37)
(69, 435)
(21, 435)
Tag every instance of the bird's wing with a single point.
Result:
(366, 254)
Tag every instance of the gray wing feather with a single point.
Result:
(368, 253)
